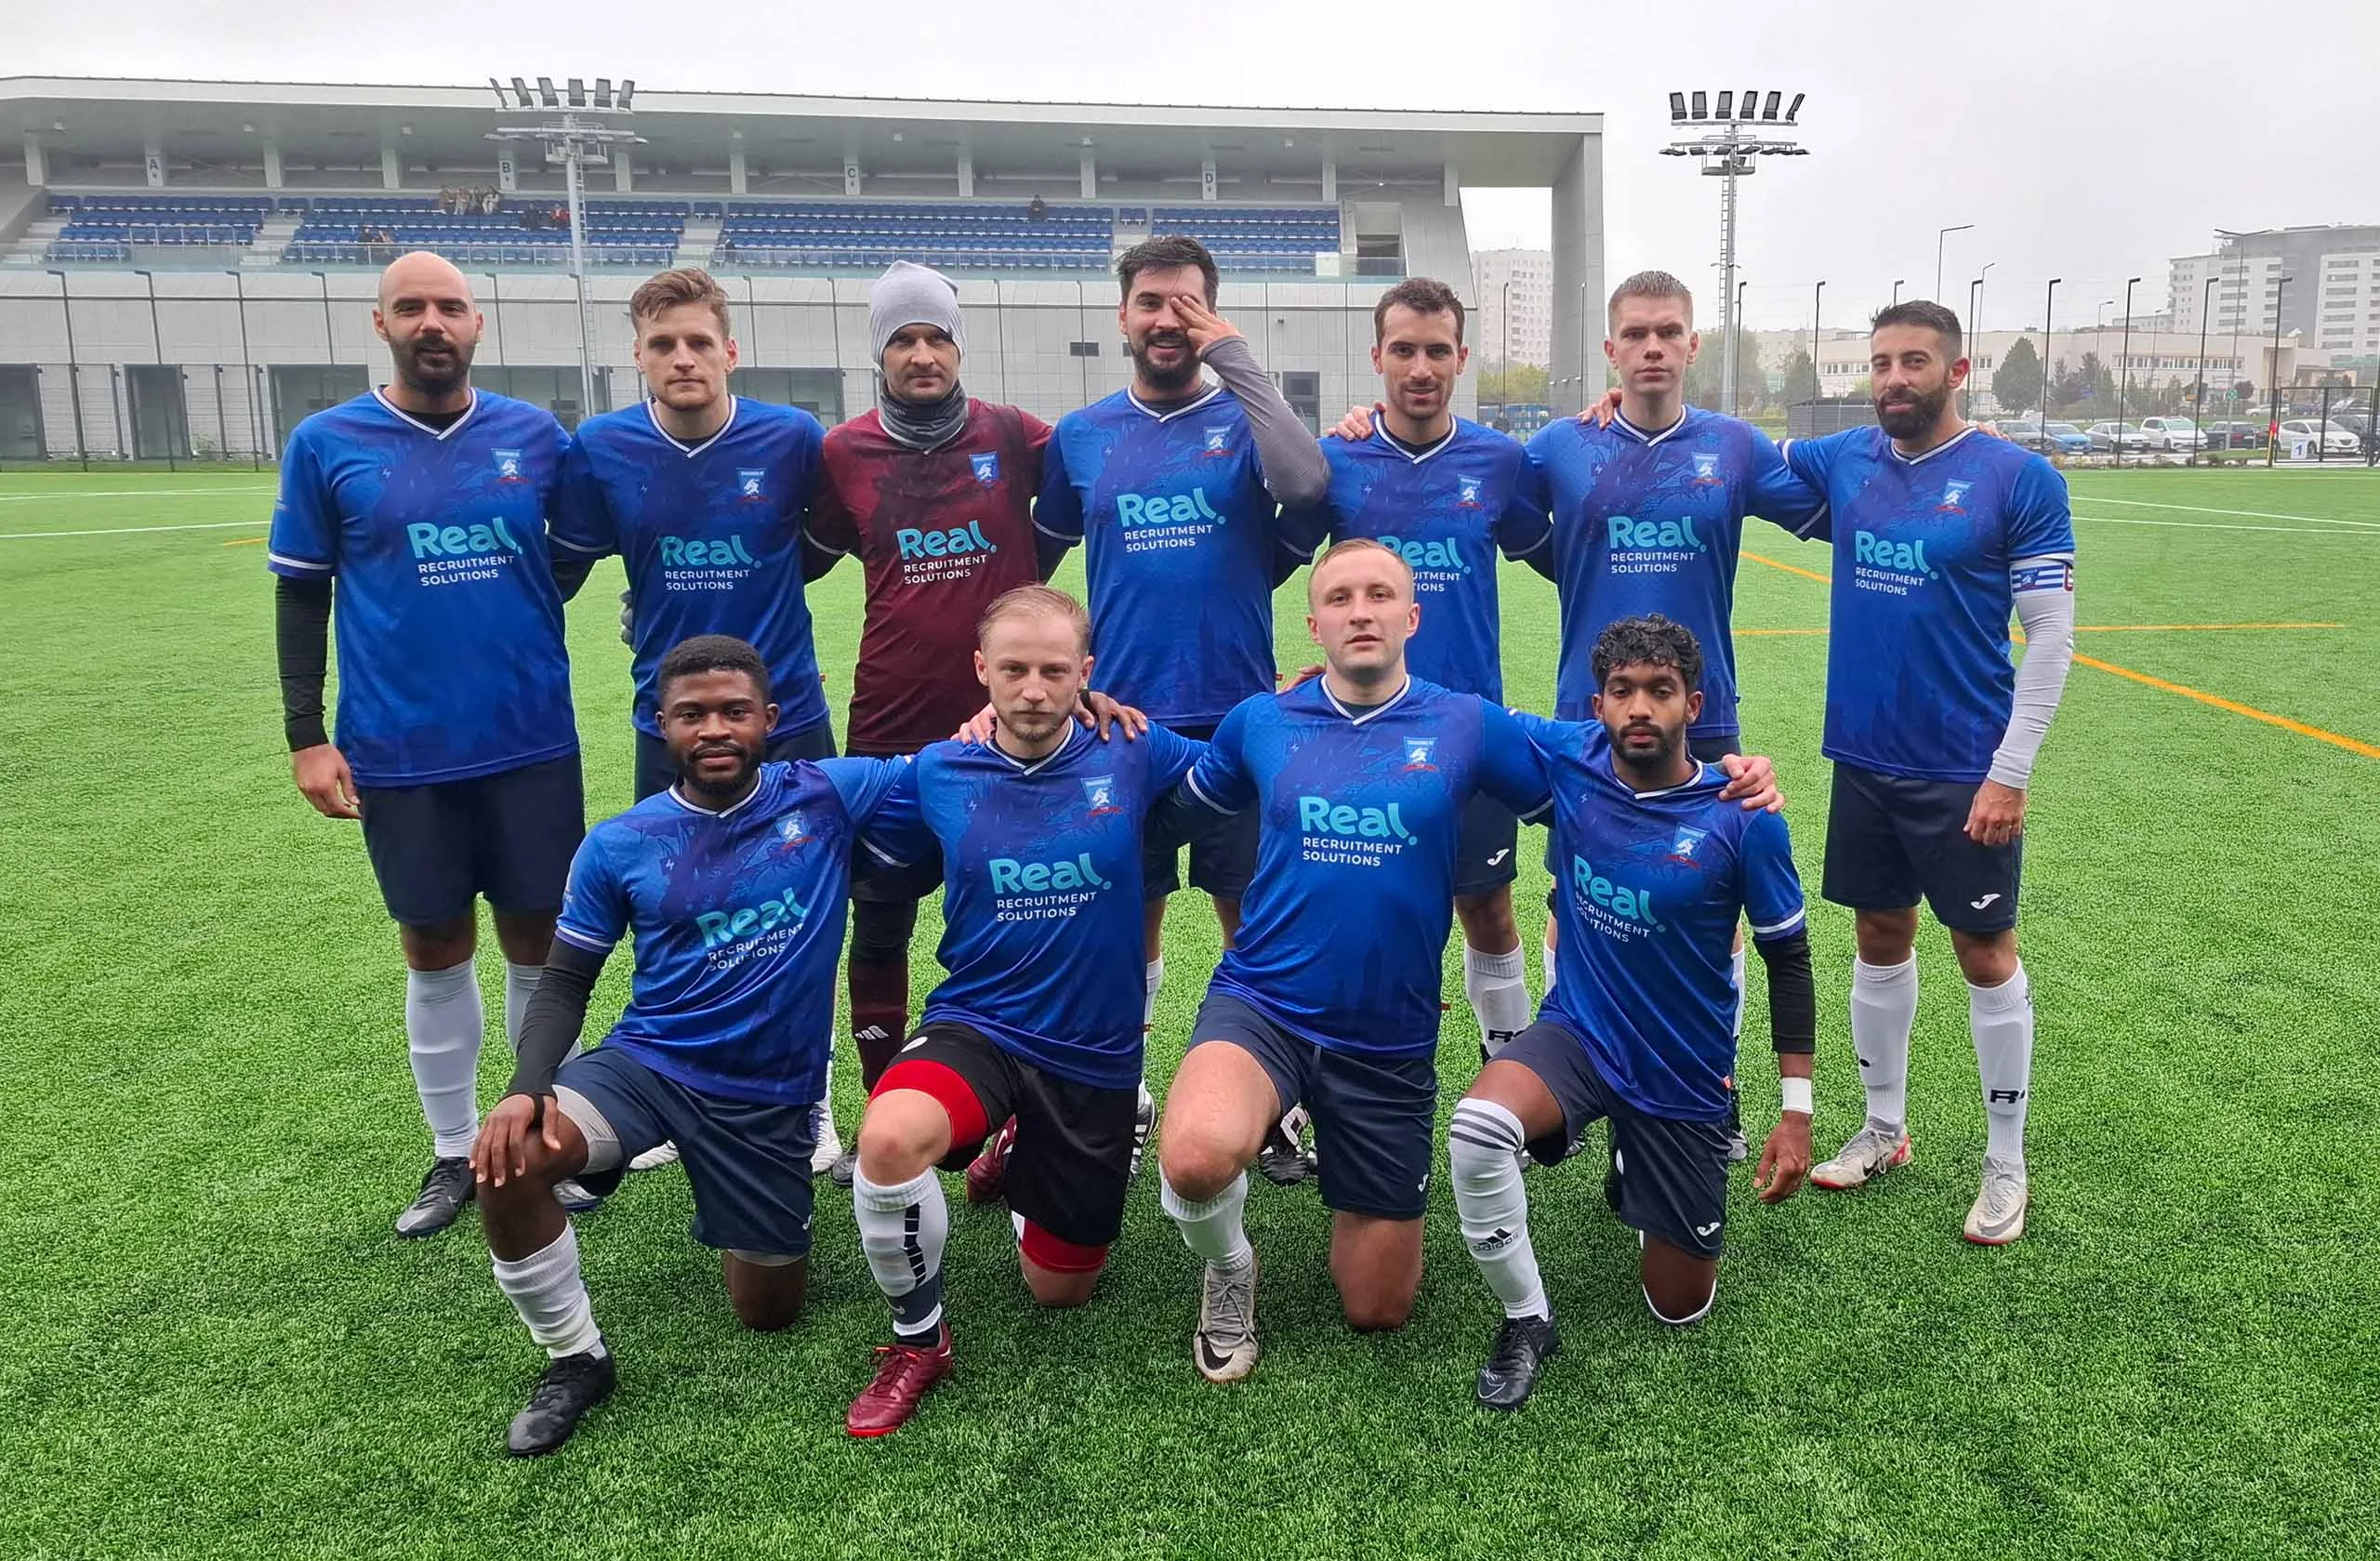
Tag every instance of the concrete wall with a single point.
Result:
(1579, 285)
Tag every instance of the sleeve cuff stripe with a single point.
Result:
(1533, 547)
(591, 942)
(1785, 926)
(1061, 535)
(560, 541)
(812, 537)
(288, 563)
(1534, 813)
(880, 856)
(1191, 780)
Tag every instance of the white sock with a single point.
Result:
(903, 1228)
(546, 1290)
(1884, 1010)
(1737, 962)
(1155, 975)
(1213, 1229)
(520, 986)
(1547, 949)
(444, 1021)
(824, 1121)
(1497, 988)
(2002, 1021)
(1493, 1204)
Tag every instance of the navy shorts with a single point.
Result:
(1373, 1116)
(748, 1163)
(1672, 1175)
(1222, 853)
(1486, 847)
(508, 836)
(655, 771)
(1891, 839)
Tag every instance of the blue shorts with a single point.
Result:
(748, 1164)
(1373, 1116)
(1672, 1175)
(508, 836)
(655, 771)
(1893, 839)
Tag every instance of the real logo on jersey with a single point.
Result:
(1951, 494)
(1683, 847)
(1467, 492)
(748, 482)
(1417, 751)
(508, 465)
(431, 540)
(1626, 532)
(957, 542)
(987, 467)
(1012, 876)
(1134, 510)
(1100, 792)
(734, 925)
(1321, 816)
(1219, 442)
(1443, 556)
(701, 552)
(1624, 901)
(1706, 468)
(1906, 557)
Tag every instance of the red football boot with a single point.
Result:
(986, 1169)
(904, 1375)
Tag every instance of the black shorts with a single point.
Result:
(1373, 1116)
(1705, 750)
(748, 1164)
(508, 836)
(1672, 1175)
(655, 771)
(1072, 1162)
(1486, 847)
(1223, 854)
(1890, 839)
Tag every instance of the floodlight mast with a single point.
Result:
(573, 133)
(1744, 127)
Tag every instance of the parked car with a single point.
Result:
(2328, 439)
(2169, 433)
(2234, 436)
(2110, 438)
(2071, 440)
(2058, 439)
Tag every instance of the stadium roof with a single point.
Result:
(229, 121)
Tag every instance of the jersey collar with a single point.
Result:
(1611, 767)
(1380, 710)
(401, 415)
(1379, 437)
(1619, 421)
(1914, 460)
(1026, 767)
(734, 403)
(760, 785)
(1147, 411)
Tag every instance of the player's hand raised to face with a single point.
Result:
(1752, 779)
(502, 1148)
(1204, 327)
(1098, 713)
(1355, 425)
(325, 780)
(1603, 409)
(1998, 815)
(1785, 1159)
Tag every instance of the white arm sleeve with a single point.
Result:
(2047, 616)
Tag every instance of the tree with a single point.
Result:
(1703, 378)
(1801, 377)
(2059, 390)
(1500, 384)
(2017, 381)
(1751, 386)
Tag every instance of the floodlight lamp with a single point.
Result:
(1769, 110)
(602, 92)
(520, 91)
(1702, 105)
(497, 88)
(628, 91)
(1750, 104)
(1794, 111)
(1677, 108)
(1726, 105)
(546, 92)
(577, 92)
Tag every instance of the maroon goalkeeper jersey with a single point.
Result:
(940, 534)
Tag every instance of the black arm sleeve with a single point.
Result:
(557, 1012)
(571, 571)
(1542, 559)
(301, 635)
(1175, 819)
(1288, 560)
(1049, 551)
(816, 561)
(1792, 993)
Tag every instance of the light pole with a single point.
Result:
(156, 351)
(330, 337)
(2123, 386)
(1975, 322)
(2049, 302)
(1741, 129)
(1897, 283)
(2197, 396)
(577, 137)
(1583, 338)
(1939, 240)
(1817, 386)
(73, 370)
(1507, 397)
(1736, 392)
(2272, 429)
(248, 377)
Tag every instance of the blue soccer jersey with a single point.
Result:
(1445, 511)
(1041, 891)
(738, 921)
(1648, 886)
(1183, 538)
(711, 535)
(1344, 926)
(1652, 522)
(1919, 679)
(449, 628)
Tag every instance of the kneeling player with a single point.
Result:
(1654, 868)
(733, 881)
(1038, 1023)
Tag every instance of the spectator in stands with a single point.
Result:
(489, 200)
(1038, 210)
(534, 218)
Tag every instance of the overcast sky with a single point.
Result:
(2090, 139)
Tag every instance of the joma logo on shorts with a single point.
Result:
(732, 926)
(1012, 877)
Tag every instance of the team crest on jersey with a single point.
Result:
(1219, 442)
(1684, 847)
(987, 467)
(790, 832)
(1467, 493)
(748, 480)
(1706, 468)
(508, 467)
(1951, 494)
(1100, 792)
(1417, 751)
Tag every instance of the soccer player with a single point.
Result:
(1939, 533)
(932, 489)
(733, 883)
(1176, 486)
(413, 519)
(1038, 1023)
(1445, 494)
(1654, 870)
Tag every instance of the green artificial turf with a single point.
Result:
(211, 1343)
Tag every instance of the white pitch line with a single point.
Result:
(2243, 514)
(133, 493)
(194, 525)
(2218, 525)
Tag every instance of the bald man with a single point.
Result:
(419, 511)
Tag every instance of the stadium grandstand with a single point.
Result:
(186, 268)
